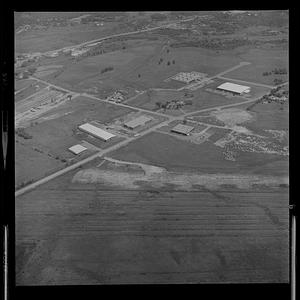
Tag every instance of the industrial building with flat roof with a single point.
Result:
(96, 132)
(182, 129)
(76, 149)
(139, 121)
(234, 88)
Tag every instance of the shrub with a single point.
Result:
(106, 69)
(22, 133)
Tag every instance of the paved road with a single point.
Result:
(106, 101)
(117, 146)
(128, 140)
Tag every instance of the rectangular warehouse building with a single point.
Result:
(77, 149)
(96, 132)
(234, 88)
(182, 129)
(139, 121)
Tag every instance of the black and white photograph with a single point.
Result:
(151, 147)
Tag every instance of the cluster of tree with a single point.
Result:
(22, 133)
(174, 104)
(160, 61)
(106, 69)
(276, 71)
(278, 81)
(279, 71)
(215, 44)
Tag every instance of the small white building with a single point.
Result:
(76, 149)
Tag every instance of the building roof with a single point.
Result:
(76, 149)
(184, 129)
(232, 87)
(96, 131)
(141, 120)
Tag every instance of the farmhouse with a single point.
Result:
(96, 132)
(234, 88)
(76, 149)
(139, 121)
(182, 129)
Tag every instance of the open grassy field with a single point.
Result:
(173, 154)
(51, 38)
(54, 132)
(27, 162)
(201, 100)
(70, 233)
(185, 59)
(87, 72)
(21, 84)
(30, 90)
(272, 116)
(138, 66)
(261, 61)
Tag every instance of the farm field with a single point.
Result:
(272, 116)
(21, 84)
(171, 153)
(208, 204)
(261, 61)
(53, 38)
(158, 236)
(28, 91)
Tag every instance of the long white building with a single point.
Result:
(234, 88)
(96, 131)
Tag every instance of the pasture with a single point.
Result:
(261, 61)
(80, 234)
(22, 84)
(28, 91)
(171, 153)
(270, 116)
(51, 38)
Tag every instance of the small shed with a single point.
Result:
(76, 149)
(182, 129)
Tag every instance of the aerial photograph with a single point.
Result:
(151, 147)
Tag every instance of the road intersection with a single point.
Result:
(128, 140)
